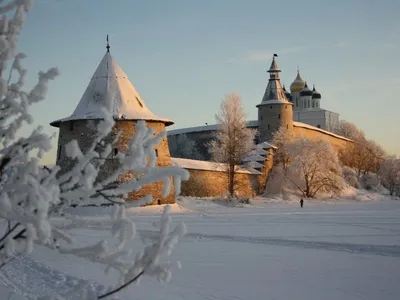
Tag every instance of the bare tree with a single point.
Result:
(349, 130)
(364, 155)
(183, 147)
(390, 174)
(314, 166)
(233, 139)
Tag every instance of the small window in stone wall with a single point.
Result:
(59, 152)
(270, 106)
(71, 125)
(115, 152)
(279, 116)
(268, 126)
(156, 152)
(287, 126)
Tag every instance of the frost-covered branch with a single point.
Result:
(33, 199)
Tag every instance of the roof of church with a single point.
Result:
(110, 88)
(274, 92)
(315, 94)
(306, 91)
(298, 84)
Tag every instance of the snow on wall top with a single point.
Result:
(250, 124)
(209, 166)
(110, 88)
(213, 127)
(254, 164)
(255, 158)
(266, 145)
(299, 124)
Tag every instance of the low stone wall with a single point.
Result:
(209, 183)
(315, 133)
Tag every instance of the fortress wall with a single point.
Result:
(311, 133)
(84, 131)
(209, 183)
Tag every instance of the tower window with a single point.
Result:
(270, 106)
(59, 152)
(287, 126)
(156, 152)
(279, 116)
(115, 152)
(71, 125)
(268, 126)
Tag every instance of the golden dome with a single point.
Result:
(298, 84)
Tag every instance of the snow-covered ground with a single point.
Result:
(337, 249)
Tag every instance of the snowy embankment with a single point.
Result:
(270, 249)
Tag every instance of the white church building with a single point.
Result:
(307, 106)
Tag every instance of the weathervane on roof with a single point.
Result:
(275, 55)
(108, 45)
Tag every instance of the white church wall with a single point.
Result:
(315, 118)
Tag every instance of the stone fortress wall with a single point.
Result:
(83, 131)
(212, 183)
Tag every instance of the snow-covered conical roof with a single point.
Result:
(110, 88)
(274, 92)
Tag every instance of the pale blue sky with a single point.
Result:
(184, 56)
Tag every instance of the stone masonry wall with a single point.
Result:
(84, 131)
(314, 134)
(207, 183)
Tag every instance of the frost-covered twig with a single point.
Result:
(34, 199)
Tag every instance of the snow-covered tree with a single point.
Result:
(350, 176)
(365, 156)
(32, 200)
(349, 130)
(390, 173)
(280, 139)
(233, 139)
(314, 166)
(183, 147)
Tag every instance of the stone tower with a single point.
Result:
(275, 110)
(110, 88)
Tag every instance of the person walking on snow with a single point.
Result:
(301, 202)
